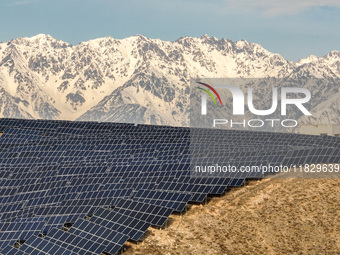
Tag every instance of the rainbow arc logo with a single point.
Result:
(209, 93)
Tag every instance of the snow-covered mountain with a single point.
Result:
(138, 79)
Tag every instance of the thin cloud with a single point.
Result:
(280, 7)
(21, 3)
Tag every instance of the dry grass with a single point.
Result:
(272, 216)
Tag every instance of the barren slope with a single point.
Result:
(272, 216)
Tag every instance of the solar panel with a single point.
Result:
(13, 231)
(174, 200)
(109, 182)
(125, 224)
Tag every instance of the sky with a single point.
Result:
(293, 28)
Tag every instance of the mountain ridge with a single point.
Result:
(131, 79)
(44, 36)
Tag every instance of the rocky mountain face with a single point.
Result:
(141, 80)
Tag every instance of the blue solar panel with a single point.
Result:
(109, 182)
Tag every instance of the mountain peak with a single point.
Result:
(241, 43)
(42, 36)
(334, 53)
(141, 36)
(205, 36)
(311, 58)
(41, 40)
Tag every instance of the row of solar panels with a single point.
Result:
(109, 182)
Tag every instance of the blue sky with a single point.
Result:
(292, 28)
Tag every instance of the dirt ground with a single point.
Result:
(271, 216)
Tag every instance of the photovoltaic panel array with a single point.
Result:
(88, 187)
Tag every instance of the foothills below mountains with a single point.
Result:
(142, 80)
